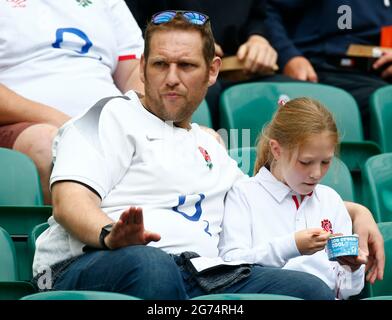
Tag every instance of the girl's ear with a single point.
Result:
(276, 149)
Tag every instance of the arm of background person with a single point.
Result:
(371, 241)
(15, 108)
(256, 52)
(127, 76)
(77, 209)
(277, 12)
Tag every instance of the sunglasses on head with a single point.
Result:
(192, 17)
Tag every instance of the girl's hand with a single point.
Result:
(311, 240)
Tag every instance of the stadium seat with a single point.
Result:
(21, 203)
(10, 287)
(378, 186)
(251, 105)
(19, 222)
(339, 178)
(379, 298)
(8, 267)
(202, 115)
(384, 287)
(245, 158)
(381, 117)
(34, 234)
(78, 295)
(244, 296)
(20, 184)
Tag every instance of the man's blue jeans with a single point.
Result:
(150, 273)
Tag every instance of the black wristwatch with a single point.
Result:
(104, 232)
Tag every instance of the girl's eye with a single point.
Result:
(326, 162)
(305, 163)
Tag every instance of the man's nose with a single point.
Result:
(172, 78)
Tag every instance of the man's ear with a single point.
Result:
(214, 70)
(276, 149)
(142, 68)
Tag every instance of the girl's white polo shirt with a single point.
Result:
(261, 217)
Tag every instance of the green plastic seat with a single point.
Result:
(384, 287)
(10, 287)
(379, 298)
(244, 296)
(19, 222)
(381, 117)
(20, 184)
(245, 158)
(247, 107)
(78, 295)
(34, 234)
(202, 115)
(14, 290)
(378, 186)
(8, 266)
(339, 178)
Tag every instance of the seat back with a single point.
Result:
(338, 177)
(19, 222)
(20, 184)
(8, 266)
(384, 287)
(202, 115)
(244, 296)
(78, 295)
(381, 117)
(378, 186)
(245, 158)
(251, 105)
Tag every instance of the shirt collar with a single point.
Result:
(274, 187)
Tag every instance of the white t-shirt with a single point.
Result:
(132, 158)
(62, 53)
(261, 217)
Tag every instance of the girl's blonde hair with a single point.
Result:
(292, 124)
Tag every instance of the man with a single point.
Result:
(132, 163)
(312, 38)
(238, 30)
(55, 67)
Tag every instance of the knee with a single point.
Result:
(313, 288)
(152, 274)
(36, 142)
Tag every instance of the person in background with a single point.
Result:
(282, 217)
(312, 38)
(54, 67)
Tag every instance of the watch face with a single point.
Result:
(108, 227)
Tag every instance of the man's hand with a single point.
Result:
(311, 240)
(371, 241)
(383, 60)
(353, 262)
(257, 55)
(300, 68)
(129, 230)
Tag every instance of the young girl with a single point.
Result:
(282, 217)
